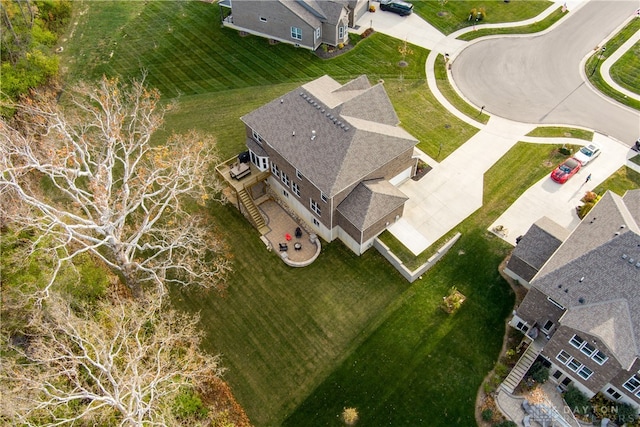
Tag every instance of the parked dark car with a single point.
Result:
(397, 6)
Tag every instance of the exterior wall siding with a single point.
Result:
(621, 378)
(602, 374)
(279, 20)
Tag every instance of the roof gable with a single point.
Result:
(611, 322)
(599, 264)
(370, 202)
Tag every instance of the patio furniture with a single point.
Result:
(526, 421)
(287, 236)
(283, 247)
(240, 170)
(297, 246)
(298, 233)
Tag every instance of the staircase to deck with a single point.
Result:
(253, 210)
(522, 366)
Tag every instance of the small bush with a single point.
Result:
(577, 401)
(626, 414)
(350, 416)
(505, 424)
(589, 196)
(340, 45)
(188, 406)
(487, 415)
(539, 372)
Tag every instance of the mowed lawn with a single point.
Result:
(287, 334)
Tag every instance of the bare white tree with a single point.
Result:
(121, 363)
(89, 179)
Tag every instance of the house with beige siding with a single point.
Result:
(303, 23)
(582, 310)
(336, 154)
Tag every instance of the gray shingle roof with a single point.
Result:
(345, 149)
(599, 263)
(536, 247)
(611, 322)
(371, 201)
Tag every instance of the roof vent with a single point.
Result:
(293, 133)
(581, 300)
(581, 279)
(638, 265)
(301, 93)
(617, 233)
(322, 111)
(328, 114)
(347, 128)
(339, 123)
(622, 226)
(313, 135)
(315, 104)
(631, 260)
(303, 96)
(566, 291)
(281, 101)
(624, 256)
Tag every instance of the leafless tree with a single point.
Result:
(89, 178)
(121, 363)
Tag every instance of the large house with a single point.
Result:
(303, 23)
(582, 310)
(336, 155)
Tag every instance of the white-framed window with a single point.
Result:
(295, 188)
(547, 326)
(574, 365)
(340, 32)
(576, 341)
(588, 349)
(285, 179)
(585, 372)
(298, 174)
(256, 136)
(275, 170)
(263, 19)
(315, 207)
(599, 357)
(633, 384)
(323, 197)
(296, 33)
(318, 33)
(316, 222)
(563, 357)
(613, 393)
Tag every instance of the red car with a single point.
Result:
(566, 170)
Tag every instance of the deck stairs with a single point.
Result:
(254, 212)
(522, 366)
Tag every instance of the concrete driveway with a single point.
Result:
(540, 78)
(559, 201)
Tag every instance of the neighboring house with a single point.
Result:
(303, 23)
(336, 154)
(582, 310)
(534, 249)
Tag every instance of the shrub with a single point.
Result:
(350, 416)
(626, 413)
(487, 415)
(188, 406)
(589, 196)
(505, 424)
(577, 401)
(539, 372)
(372, 8)
(340, 45)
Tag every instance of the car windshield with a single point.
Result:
(564, 169)
(586, 151)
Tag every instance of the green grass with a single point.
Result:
(625, 69)
(622, 180)
(442, 133)
(454, 15)
(185, 51)
(281, 330)
(561, 132)
(524, 29)
(442, 81)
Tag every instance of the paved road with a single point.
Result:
(538, 78)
